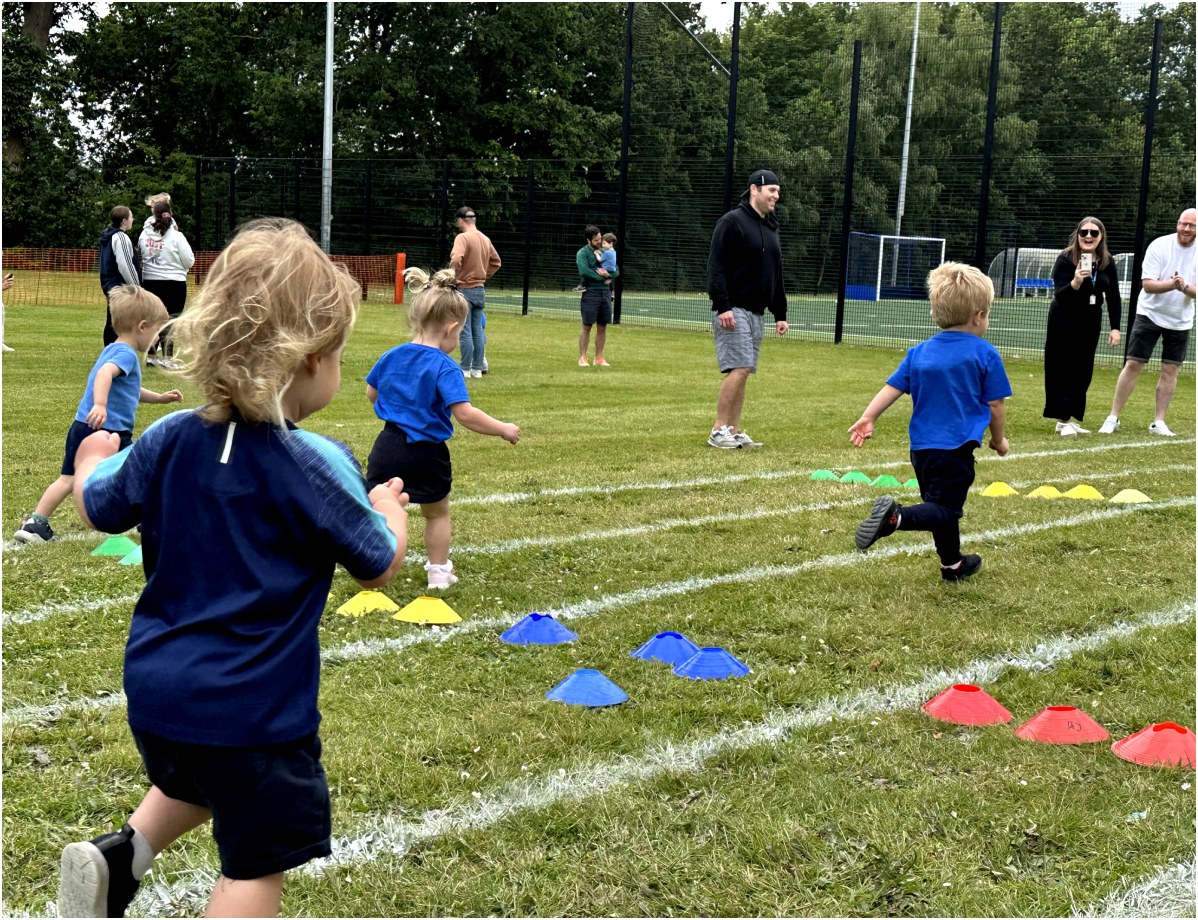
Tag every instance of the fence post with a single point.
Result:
(1137, 261)
(197, 215)
(443, 243)
(979, 252)
(625, 140)
(733, 82)
(367, 195)
(232, 194)
(527, 238)
(846, 217)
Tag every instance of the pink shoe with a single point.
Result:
(440, 576)
(601, 362)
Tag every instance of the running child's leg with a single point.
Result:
(437, 531)
(258, 897)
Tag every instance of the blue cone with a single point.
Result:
(669, 647)
(587, 687)
(537, 629)
(711, 664)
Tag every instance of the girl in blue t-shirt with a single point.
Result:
(417, 389)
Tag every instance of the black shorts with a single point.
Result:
(596, 307)
(75, 435)
(424, 466)
(1144, 333)
(173, 294)
(270, 804)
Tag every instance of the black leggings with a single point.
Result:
(944, 480)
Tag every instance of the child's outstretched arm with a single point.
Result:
(863, 429)
(391, 501)
(149, 396)
(477, 420)
(998, 426)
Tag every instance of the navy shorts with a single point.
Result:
(1144, 333)
(596, 307)
(75, 435)
(424, 466)
(270, 804)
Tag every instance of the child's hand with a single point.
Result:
(510, 433)
(170, 396)
(1001, 446)
(98, 446)
(391, 490)
(861, 431)
(97, 417)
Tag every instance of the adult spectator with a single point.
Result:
(474, 260)
(1083, 279)
(119, 263)
(166, 257)
(744, 279)
(596, 296)
(1165, 311)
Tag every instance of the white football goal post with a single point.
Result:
(884, 267)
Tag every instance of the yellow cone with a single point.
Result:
(367, 602)
(428, 610)
(1045, 492)
(1086, 492)
(1130, 497)
(998, 490)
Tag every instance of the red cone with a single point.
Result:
(966, 704)
(1165, 744)
(1062, 725)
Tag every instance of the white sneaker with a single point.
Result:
(1159, 427)
(1068, 430)
(743, 439)
(724, 439)
(4, 347)
(1110, 426)
(440, 576)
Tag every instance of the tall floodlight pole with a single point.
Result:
(326, 153)
(902, 193)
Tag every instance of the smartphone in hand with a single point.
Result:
(1088, 261)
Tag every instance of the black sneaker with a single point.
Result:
(969, 565)
(882, 522)
(97, 876)
(34, 530)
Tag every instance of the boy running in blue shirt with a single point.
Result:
(111, 398)
(244, 519)
(958, 386)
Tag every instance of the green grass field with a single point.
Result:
(813, 786)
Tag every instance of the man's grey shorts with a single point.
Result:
(1144, 333)
(738, 347)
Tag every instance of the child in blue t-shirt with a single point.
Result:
(958, 386)
(417, 390)
(111, 398)
(244, 518)
(606, 255)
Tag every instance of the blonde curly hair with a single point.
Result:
(271, 299)
(436, 301)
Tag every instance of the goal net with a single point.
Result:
(882, 267)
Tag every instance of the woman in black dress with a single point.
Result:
(1083, 279)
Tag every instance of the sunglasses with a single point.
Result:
(1088, 233)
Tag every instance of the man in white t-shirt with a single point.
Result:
(1165, 311)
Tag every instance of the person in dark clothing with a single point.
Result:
(119, 261)
(744, 279)
(1083, 279)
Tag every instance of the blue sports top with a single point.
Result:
(951, 377)
(417, 384)
(125, 393)
(242, 525)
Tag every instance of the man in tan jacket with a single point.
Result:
(474, 260)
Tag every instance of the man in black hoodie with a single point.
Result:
(744, 278)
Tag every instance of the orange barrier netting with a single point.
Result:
(50, 277)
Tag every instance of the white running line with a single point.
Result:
(394, 835)
(1169, 892)
(370, 648)
(51, 608)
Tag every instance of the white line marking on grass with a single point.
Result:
(370, 648)
(1167, 893)
(394, 835)
(506, 498)
(52, 608)
(1013, 457)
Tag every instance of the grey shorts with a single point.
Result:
(1144, 333)
(740, 346)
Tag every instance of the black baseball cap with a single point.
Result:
(761, 178)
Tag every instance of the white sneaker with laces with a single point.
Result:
(724, 439)
(743, 439)
(1159, 427)
(440, 576)
(1110, 426)
(1068, 430)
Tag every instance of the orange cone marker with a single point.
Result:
(1165, 744)
(1062, 725)
(966, 704)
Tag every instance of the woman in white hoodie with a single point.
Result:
(166, 257)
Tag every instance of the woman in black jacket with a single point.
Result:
(1083, 279)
